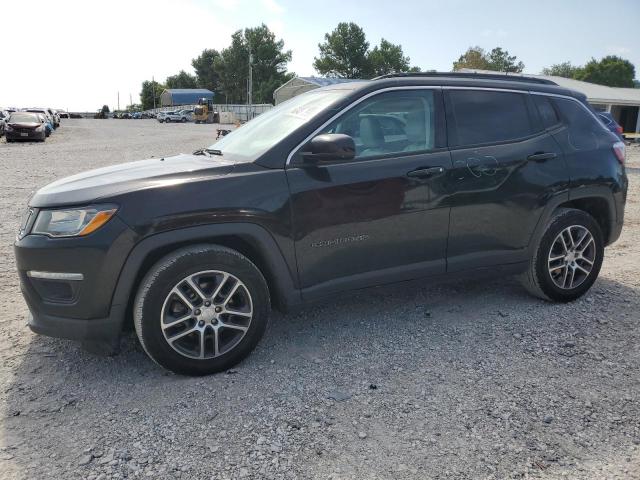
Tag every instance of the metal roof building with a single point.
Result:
(298, 85)
(183, 96)
(622, 103)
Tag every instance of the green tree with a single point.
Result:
(497, 59)
(474, 57)
(269, 65)
(564, 69)
(501, 61)
(181, 80)
(105, 109)
(388, 58)
(344, 53)
(149, 89)
(610, 70)
(206, 75)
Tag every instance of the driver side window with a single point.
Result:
(396, 122)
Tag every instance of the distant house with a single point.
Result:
(172, 97)
(298, 85)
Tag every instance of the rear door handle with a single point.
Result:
(542, 156)
(425, 172)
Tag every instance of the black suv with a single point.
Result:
(349, 186)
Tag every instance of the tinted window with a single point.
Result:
(548, 114)
(485, 117)
(584, 130)
(392, 122)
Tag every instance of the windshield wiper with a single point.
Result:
(208, 152)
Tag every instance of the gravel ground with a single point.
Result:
(465, 380)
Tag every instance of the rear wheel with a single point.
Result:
(568, 257)
(201, 310)
(184, 120)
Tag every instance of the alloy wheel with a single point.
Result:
(206, 314)
(572, 256)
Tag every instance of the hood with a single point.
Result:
(94, 185)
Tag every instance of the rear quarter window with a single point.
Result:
(548, 114)
(481, 116)
(584, 130)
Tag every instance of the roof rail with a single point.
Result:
(486, 76)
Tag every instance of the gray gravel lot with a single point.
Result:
(463, 380)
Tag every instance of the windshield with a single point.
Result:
(257, 136)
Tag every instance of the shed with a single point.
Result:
(298, 85)
(171, 97)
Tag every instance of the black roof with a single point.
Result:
(459, 79)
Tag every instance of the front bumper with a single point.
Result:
(75, 309)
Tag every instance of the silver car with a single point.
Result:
(177, 116)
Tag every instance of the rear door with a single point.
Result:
(378, 218)
(506, 167)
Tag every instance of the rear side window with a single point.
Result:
(584, 130)
(547, 111)
(481, 116)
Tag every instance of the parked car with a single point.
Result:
(177, 116)
(3, 120)
(611, 124)
(63, 114)
(48, 126)
(25, 126)
(43, 111)
(489, 175)
(162, 116)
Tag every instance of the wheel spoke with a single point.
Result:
(225, 277)
(180, 335)
(234, 327)
(238, 313)
(572, 276)
(585, 259)
(196, 288)
(231, 293)
(564, 276)
(578, 267)
(582, 238)
(176, 322)
(586, 245)
(216, 336)
(555, 259)
(202, 343)
(183, 298)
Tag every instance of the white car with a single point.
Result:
(177, 116)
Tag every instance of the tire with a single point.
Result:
(545, 276)
(158, 305)
(184, 120)
(167, 120)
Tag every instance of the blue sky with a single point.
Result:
(82, 69)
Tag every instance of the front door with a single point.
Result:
(377, 218)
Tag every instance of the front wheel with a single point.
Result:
(568, 257)
(201, 309)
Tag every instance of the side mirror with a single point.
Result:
(330, 146)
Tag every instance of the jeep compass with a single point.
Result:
(404, 177)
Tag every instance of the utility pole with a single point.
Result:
(153, 87)
(130, 101)
(118, 101)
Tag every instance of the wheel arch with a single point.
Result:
(251, 240)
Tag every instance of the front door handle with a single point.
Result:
(542, 156)
(425, 172)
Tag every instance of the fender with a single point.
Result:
(282, 280)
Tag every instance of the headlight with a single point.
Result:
(73, 222)
(9, 128)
